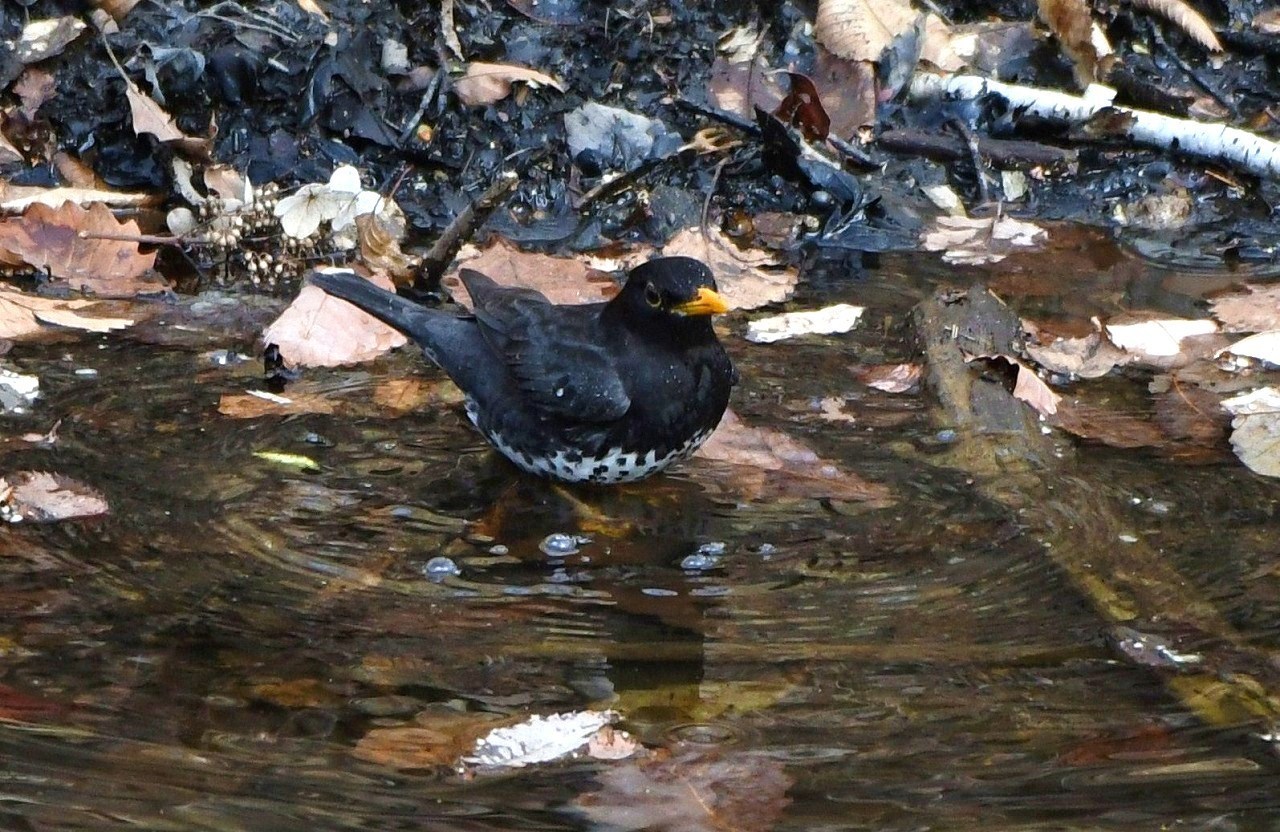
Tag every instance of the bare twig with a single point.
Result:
(463, 225)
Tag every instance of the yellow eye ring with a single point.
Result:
(652, 296)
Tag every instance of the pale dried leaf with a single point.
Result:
(21, 315)
(862, 29)
(832, 409)
(150, 117)
(1256, 309)
(747, 279)
(739, 87)
(485, 83)
(611, 743)
(18, 198)
(1267, 22)
(61, 242)
(34, 88)
(318, 330)
(1186, 18)
(1030, 388)
(118, 9)
(8, 153)
(829, 320)
(312, 7)
(18, 391)
(42, 497)
(1255, 434)
(938, 45)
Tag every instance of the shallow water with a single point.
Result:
(216, 653)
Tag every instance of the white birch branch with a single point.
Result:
(1216, 142)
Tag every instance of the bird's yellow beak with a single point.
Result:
(706, 302)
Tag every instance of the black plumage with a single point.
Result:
(602, 392)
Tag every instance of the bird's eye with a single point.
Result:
(652, 296)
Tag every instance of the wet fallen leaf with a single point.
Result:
(257, 403)
(1027, 386)
(1155, 338)
(861, 30)
(322, 331)
(1256, 309)
(803, 108)
(611, 743)
(537, 740)
(41, 39)
(829, 320)
(763, 462)
(832, 409)
(1262, 346)
(54, 239)
(23, 315)
(435, 739)
(561, 279)
(691, 790)
(1255, 435)
(891, 378)
(747, 279)
(484, 83)
(405, 395)
(23, 707)
(42, 497)
(1090, 356)
(975, 241)
(17, 391)
(848, 90)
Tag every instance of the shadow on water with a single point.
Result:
(213, 653)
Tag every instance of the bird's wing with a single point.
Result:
(553, 352)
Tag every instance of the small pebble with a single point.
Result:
(945, 435)
(499, 549)
(402, 512)
(440, 567)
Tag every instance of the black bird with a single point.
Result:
(595, 393)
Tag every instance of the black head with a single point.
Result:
(675, 292)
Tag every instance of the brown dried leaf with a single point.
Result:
(693, 790)
(41, 497)
(1185, 18)
(848, 91)
(51, 239)
(486, 83)
(747, 279)
(9, 153)
(318, 330)
(405, 395)
(561, 279)
(1071, 22)
(150, 117)
(34, 88)
(739, 87)
(1267, 22)
(118, 9)
(861, 30)
(1256, 309)
(766, 463)
(23, 315)
(76, 173)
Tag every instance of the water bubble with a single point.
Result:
(657, 592)
(402, 512)
(945, 435)
(499, 550)
(696, 563)
(439, 568)
(767, 550)
(714, 548)
(559, 544)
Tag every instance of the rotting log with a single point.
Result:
(1001, 445)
